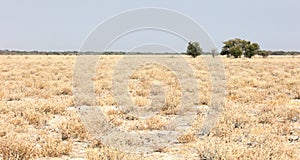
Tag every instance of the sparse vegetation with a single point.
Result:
(260, 119)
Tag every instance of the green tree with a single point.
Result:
(251, 49)
(194, 49)
(238, 47)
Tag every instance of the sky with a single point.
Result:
(65, 25)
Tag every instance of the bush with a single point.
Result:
(264, 53)
(194, 49)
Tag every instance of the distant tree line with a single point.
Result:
(232, 48)
(293, 53)
(14, 52)
(236, 48)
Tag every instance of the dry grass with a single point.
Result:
(260, 120)
(152, 123)
(187, 138)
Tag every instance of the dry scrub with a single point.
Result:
(260, 119)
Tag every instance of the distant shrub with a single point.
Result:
(264, 53)
(194, 49)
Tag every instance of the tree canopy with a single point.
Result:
(238, 47)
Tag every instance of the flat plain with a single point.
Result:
(260, 119)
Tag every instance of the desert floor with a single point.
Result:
(260, 118)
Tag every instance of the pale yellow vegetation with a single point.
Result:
(260, 119)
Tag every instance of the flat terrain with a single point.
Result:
(260, 119)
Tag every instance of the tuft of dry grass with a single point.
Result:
(187, 138)
(54, 147)
(24, 148)
(105, 153)
(72, 128)
(14, 148)
(152, 123)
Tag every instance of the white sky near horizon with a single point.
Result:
(64, 25)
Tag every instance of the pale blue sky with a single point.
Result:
(64, 25)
